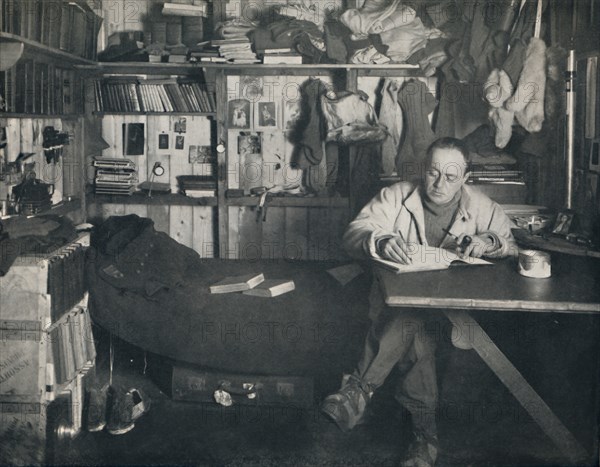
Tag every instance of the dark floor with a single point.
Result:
(480, 422)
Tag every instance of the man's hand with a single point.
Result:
(394, 249)
(480, 245)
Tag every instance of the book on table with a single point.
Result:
(237, 283)
(427, 258)
(271, 288)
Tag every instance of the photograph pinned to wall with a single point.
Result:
(239, 114)
(266, 115)
(163, 141)
(133, 139)
(251, 87)
(180, 125)
(179, 142)
(201, 155)
(291, 114)
(249, 143)
(562, 225)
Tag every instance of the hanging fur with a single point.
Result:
(528, 100)
(497, 90)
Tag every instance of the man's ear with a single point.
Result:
(466, 177)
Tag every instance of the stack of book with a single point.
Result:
(496, 174)
(114, 176)
(197, 186)
(280, 56)
(157, 95)
(236, 50)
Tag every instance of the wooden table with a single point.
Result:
(573, 288)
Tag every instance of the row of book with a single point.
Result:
(37, 88)
(65, 279)
(496, 174)
(114, 176)
(153, 96)
(71, 26)
(73, 347)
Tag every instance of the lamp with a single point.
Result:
(157, 171)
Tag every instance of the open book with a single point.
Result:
(428, 258)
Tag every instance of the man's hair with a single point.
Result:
(449, 143)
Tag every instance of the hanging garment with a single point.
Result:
(528, 99)
(417, 103)
(309, 151)
(390, 115)
(498, 90)
(350, 118)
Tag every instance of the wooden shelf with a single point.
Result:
(59, 209)
(170, 199)
(194, 114)
(291, 201)
(43, 53)
(395, 69)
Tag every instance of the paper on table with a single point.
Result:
(428, 258)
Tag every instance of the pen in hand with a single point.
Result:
(465, 242)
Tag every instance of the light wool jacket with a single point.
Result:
(398, 211)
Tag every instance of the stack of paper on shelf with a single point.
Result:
(115, 176)
(236, 50)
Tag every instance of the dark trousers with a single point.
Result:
(407, 339)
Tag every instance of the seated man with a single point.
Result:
(401, 215)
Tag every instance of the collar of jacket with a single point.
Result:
(414, 204)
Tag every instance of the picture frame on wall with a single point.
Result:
(239, 114)
(562, 225)
(266, 115)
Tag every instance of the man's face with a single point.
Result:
(445, 175)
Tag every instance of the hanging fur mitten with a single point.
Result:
(497, 90)
(528, 100)
(502, 120)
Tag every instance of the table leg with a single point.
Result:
(516, 384)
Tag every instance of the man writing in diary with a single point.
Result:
(439, 212)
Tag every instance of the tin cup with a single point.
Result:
(534, 263)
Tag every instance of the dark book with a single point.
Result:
(78, 31)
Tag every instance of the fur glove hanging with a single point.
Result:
(528, 100)
(497, 90)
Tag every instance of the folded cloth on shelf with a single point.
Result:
(283, 335)
(405, 40)
(377, 16)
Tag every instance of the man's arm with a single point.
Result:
(375, 221)
(498, 231)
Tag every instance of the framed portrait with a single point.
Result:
(163, 141)
(133, 139)
(266, 115)
(562, 225)
(238, 114)
(180, 125)
(179, 142)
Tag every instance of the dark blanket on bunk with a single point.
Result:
(153, 292)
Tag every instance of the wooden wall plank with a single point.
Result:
(139, 209)
(158, 124)
(296, 234)
(273, 238)
(319, 225)
(13, 138)
(231, 250)
(160, 215)
(111, 209)
(250, 234)
(203, 237)
(181, 224)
